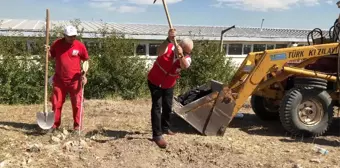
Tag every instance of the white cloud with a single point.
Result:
(266, 5)
(126, 6)
(150, 2)
(129, 9)
(100, 4)
(330, 2)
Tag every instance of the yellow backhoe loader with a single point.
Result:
(299, 95)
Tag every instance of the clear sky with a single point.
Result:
(277, 13)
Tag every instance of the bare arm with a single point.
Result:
(162, 49)
(184, 62)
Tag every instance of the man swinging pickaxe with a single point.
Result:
(162, 78)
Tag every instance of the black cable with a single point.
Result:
(311, 33)
(334, 36)
(331, 35)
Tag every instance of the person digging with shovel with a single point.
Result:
(161, 81)
(68, 53)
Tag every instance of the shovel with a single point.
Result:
(85, 67)
(45, 119)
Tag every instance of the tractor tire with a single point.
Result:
(263, 109)
(299, 104)
(302, 82)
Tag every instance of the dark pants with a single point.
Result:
(161, 100)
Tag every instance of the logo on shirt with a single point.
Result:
(75, 52)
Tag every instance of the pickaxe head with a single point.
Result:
(154, 1)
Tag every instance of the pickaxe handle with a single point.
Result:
(168, 17)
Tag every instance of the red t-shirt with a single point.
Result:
(67, 59)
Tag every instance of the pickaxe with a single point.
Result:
(168, 17)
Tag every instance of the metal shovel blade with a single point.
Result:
(45, 120)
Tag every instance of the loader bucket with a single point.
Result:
(210, 114)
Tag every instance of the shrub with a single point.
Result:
(207, 64)
(114, 70)
(21, 78)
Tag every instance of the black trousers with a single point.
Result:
(161, 109)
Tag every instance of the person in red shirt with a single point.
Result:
(161, 81)
(67, 53)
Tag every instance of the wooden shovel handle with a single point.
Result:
(46, 57)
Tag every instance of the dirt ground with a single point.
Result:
(117, 135)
